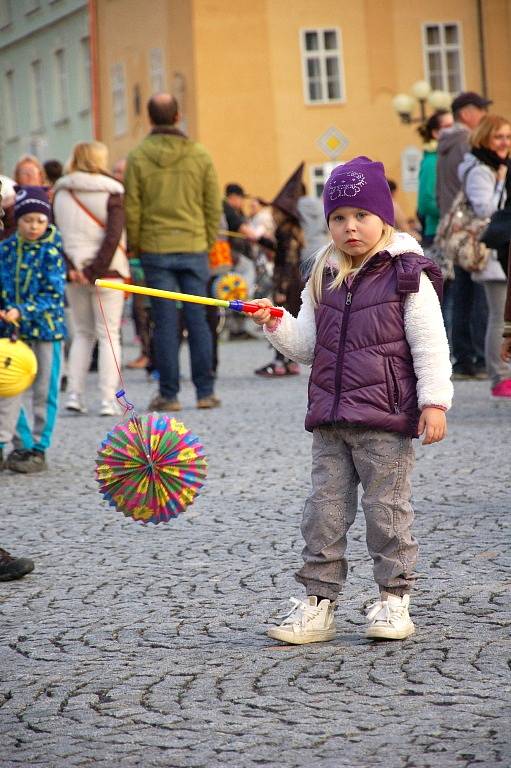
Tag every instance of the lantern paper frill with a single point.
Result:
(18, 367)
(150, 467)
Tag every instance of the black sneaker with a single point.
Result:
(16, 456)
(26, 462)
(14, 567)
(463, 370)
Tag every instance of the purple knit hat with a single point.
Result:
(359, 183)
(31, 200)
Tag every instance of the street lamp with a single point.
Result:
(404, 103)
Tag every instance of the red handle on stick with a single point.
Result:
(251, 308)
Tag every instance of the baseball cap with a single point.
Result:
(234, 189)
(469, 97)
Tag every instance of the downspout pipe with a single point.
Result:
(482, 57)
(94, 68)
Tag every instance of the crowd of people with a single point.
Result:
(158, 217)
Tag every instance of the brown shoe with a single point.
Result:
(140, 362)
(159, 403)
(211, 401)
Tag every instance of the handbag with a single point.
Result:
(459, 235)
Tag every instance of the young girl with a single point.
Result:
(371, 326)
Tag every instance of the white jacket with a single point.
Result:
(424, 330)
(481, 186)
(81, 235)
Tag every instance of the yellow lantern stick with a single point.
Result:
(236, 305)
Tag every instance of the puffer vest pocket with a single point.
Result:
(393, 388)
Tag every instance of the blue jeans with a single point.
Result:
(470, 316)
(186, 273)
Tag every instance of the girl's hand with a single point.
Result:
(10, 315)
(262, 316)
(433, 425)
(505, 350)
(77, 276)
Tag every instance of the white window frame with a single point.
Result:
(119, 99)
(61, 85)
(11, 112)
(37, 96)
(443, 48)
(322, 54)
(319, 173)
(157, 70)
(85, 75)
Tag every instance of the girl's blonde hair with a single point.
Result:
(88, 156)
(340, 260)
(481, 136)
(34, 161)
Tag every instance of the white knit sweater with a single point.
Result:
(424, 330)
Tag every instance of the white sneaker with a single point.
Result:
(107, 409)
(389, 619)
(75, 404)
(306, 623)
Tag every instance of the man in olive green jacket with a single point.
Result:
(173, 209)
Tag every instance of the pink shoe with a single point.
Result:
(502, 389)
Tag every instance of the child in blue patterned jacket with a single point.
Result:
(32, 281)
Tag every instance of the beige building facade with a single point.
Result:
(265, 84)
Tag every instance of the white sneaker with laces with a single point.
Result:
(107, 409)
(75, 404)
(306, 622)
(389, 619)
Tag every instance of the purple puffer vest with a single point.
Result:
(363, 369)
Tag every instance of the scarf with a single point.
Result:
(490, 158)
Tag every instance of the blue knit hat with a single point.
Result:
(31, 200)
(359, 183)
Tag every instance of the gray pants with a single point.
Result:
(41, 399)
(343, 457)
(497, 369)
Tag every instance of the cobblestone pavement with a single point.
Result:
(135, 646)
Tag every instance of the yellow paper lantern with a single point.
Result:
(18, 367)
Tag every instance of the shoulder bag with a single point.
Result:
(458, 235)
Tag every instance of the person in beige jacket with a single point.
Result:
(88, 206)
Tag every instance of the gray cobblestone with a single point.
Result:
(147, 647)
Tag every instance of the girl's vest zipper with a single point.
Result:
(340, 348)
(342, 337)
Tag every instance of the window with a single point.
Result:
(85, 72)
(318, 176)
(119, 99)
(322, 66)
(156, 70)
(37, 98)
(11, 118)
(5, 13)
(60, 86)
(443, 57)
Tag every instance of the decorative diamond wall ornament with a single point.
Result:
(333, 143)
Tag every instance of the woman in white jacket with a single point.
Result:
(88, 210)
(486, 178)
